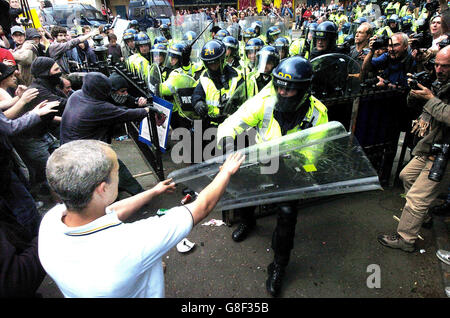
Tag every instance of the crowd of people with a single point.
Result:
(56, 128)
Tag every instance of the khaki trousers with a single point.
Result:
(420, 193)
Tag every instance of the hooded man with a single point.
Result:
(89, 114)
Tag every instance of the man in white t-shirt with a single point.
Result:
(84, 244)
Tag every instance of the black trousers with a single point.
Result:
(283, 235)
(126, 180)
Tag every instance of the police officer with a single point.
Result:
(251, 48)
(324, 39)
(393, 25)
(127, 46)
(221, 34)
(282, 45)
(140, 61)
(266, 60)
(216, 84)
(293, 109)
(232, 52)
(273, 33)
(303, 46)
(165, 30)
(249, 33)
(158, 55)
(161, 39)
(178, 60)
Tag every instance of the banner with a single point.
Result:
(162, 122)
(258, 5)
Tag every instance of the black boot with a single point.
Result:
(441, 210)
(275, 278)
(242, 232)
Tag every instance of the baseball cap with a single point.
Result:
(17, 28)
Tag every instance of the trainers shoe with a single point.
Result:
(396, 241)
(443, 256)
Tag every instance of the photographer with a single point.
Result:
(430, 154)
(395, 64)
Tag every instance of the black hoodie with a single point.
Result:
(89, 115)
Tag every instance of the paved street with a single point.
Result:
(335, 254)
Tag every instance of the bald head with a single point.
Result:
(442, 64)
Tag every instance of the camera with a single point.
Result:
(380, 42)
(440, 162)
(432, 6)
(423, 78)
(422, 40)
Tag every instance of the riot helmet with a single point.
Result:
(221, 34)
(232, 48)
(128, 37)
(129, 34)
(267, 59)
(248, 34)
(143, 44)
(161, 39)
(257, 25)
(345, 29)
(159, 53)
(282, 46)
(273, 33)
(292, 80)
(251, 48)
(213, 56)
(406, 23)
(165, 30)
(381, 21)
(134, 24)
(310, 30)
(175, 55)
(393, 19)
(189, 36)
(325, 36)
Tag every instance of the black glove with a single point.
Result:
(201, 108)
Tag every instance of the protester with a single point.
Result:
(122, 259)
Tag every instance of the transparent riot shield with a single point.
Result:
(154, 79)
(153, 33)
(239, 96)
(374, 13)
(277, 171)
(196, 23)
(335, 76)
(234, 30)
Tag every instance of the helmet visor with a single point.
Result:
(158, 57)
(266, 62)
(173, 60)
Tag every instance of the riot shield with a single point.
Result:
(335, 76)
(374, 13)
(192, 22)
(276, 171)
(182, 94)
(234, 30)
(154, 79)
(239, 96)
